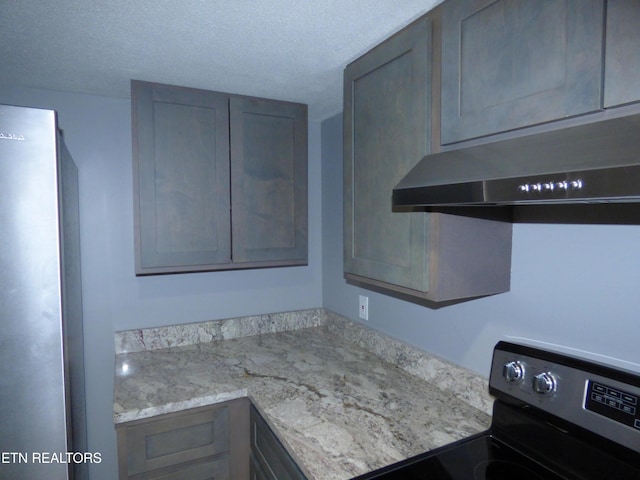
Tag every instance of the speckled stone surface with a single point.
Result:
(193, 333)
(449, 377)
(340, 409)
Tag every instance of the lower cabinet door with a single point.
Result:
(177, 439)
(214, 469)
(269, 459)
(229, 441)
(201, 443)
(256, 471)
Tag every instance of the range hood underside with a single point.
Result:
(595, 162)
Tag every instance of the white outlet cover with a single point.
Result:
(363, 307)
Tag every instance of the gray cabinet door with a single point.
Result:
(181, 178)
(386, 132)
(211, 469)
(622, 60)
(171, 440)
(508, 64)
(269, 182)
(204, 443)
(269, 459)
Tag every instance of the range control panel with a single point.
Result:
(597, 397)
(613, 403)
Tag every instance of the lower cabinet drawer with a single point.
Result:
(213, 469)
(177, 439)
(201, 443)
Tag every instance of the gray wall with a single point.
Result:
(575, 285)
(97, 132)
(572, 285)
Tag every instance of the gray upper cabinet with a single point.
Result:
(181, 178)
(508, 64)
(269, 181)
(622, 63)
(387, 130)
(211, 197)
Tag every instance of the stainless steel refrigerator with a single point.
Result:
(42, 396)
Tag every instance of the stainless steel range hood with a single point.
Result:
(595, 162)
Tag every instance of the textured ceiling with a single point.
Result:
(285, 49)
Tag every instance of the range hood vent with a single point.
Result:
(594, 162)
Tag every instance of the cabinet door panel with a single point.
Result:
(507, 64)
(181, 173)
(269, 181)
(213, 469)
(181, 438)
(622, 62)
(387, 125)
(269, 459)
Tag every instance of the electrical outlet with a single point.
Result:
(363, 307)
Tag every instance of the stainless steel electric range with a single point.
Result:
(555, 417)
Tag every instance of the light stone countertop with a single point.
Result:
(340, 409)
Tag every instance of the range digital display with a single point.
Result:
(613, 403)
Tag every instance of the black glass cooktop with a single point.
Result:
(482, 458)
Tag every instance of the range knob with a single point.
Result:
(544, 383)
(513, 371)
